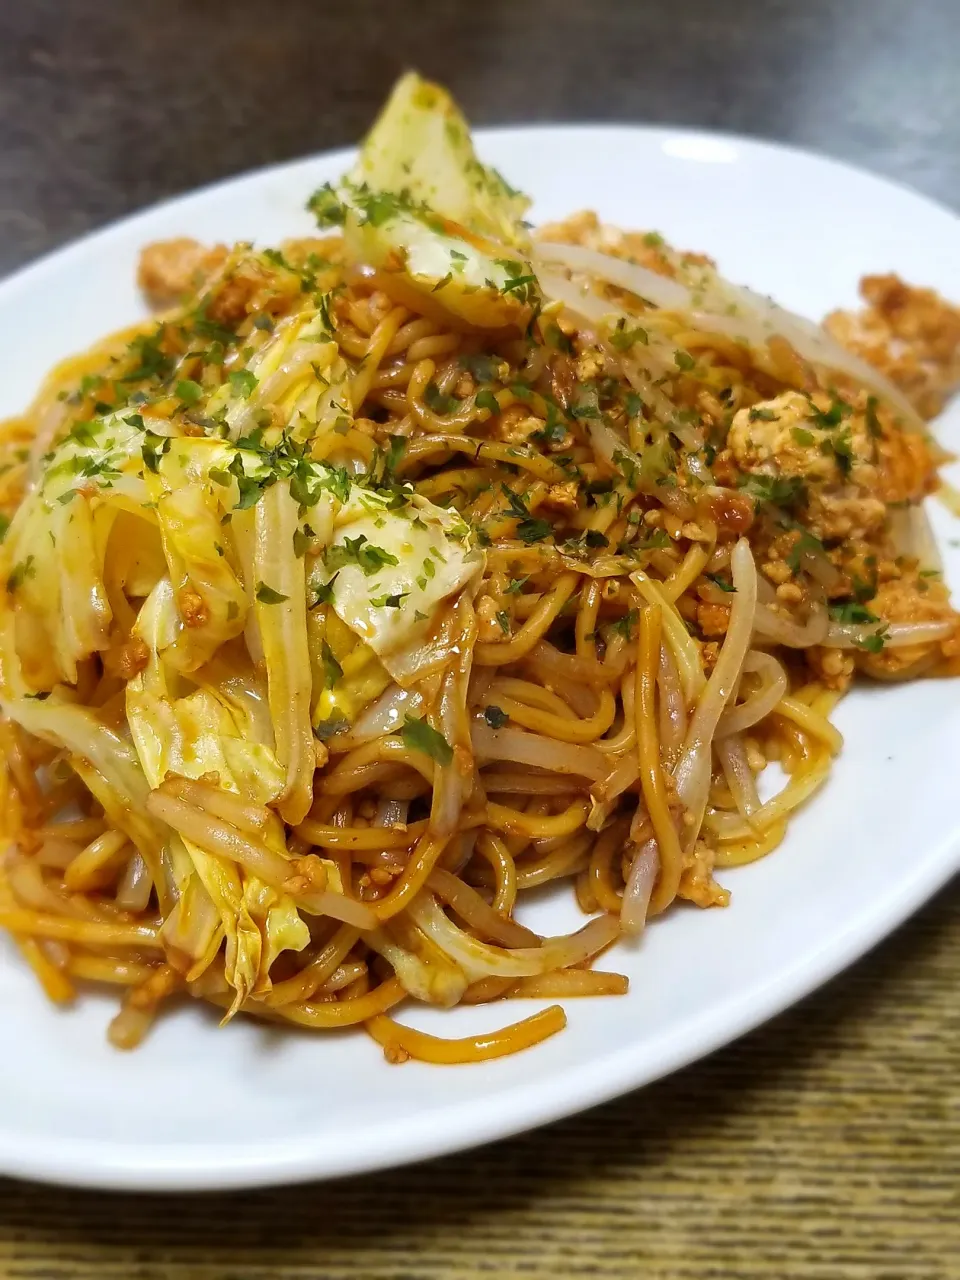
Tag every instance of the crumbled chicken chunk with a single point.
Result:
(911, 335)
(782, 436)
(193, 608)
(792, 435)
(562, 497)
(171, 270)
(590, 365)
(516, 425)
(647, 248)
(909, 599)
(696, 881)
(713, 619)
(845, 514)
(127, 659)
(777, 571)
(834, 668)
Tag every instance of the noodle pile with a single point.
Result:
(390, 575)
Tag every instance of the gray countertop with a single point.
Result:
(107, 106)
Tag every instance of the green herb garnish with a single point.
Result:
(267, 595)
(188, 391)
(420, 736)
(332, 670)
(242, 382)
(495, 717)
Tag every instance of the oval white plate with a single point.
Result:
(200, 1107)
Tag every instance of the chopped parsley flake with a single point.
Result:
(301, 541)
(624, 626)
(326, 207)
(329, 728)
(485, 399)
(267, 595)
(325, 591)
(805, 543)
(874, 643)
(483, 368)
(420, 736)
(332, 670)
(533, 530)
(242, 383)
(153, 449)
(25, 569)
(435, 399)
(841, 445)
(623, 338)
(838, 410)
(188, 391)
(495, 717)
(777, 491)
(371, 559)
(851, 611)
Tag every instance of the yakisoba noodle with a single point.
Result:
(389, 576)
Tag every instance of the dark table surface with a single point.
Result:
(824, 1145)
(108, 105)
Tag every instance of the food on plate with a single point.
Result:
(387, 575)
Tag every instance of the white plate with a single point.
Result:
(200, 1107)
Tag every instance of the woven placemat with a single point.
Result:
(826, 1144)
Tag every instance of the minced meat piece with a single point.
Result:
(911, 335)
(172, 270)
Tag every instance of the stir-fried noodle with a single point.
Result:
(387, 576)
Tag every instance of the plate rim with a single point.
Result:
(108, 1165)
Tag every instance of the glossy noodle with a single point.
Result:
(385, 577)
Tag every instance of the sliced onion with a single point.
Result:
(391, 813)
(795, 635)
(673, 713)
(896, 635)
(692, 774)
(601, 316)
(913, 536)
(604, 794)
(760, 318)
(820, 567)
(639, 886)
(773, 685)
(133, 891)
(228, 805)
(515, 782)
(649, 286)
(534, 749)
(480, 960)
(739, 776)
(478, 913)
(381, 718)
(736, 312)
(441, 982)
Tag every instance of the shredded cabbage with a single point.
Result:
(439, 226)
